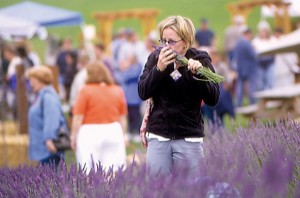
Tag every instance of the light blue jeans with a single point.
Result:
(251, 87)
(163, 156)
(265, 77)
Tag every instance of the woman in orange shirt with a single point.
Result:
(99, 121)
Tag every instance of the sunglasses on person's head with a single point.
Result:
(170, 41)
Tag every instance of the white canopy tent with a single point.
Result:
(42, 14)
(11, 28)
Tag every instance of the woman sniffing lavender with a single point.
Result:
(174, 130)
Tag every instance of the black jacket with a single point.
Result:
(176, 112)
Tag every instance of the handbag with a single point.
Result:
(63, 141)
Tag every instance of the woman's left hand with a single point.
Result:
(51, 147)
(193, 65)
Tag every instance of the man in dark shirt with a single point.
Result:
(205, 37)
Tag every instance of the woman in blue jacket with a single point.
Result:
(45, 118)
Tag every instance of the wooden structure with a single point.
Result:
(244, 7)
(289, 98)
(22, 102)
(287, 43)
(274, 103)
(147, 17)
(250, 111)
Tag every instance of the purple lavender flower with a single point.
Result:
(257, 161)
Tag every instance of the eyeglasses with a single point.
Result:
(170, 41)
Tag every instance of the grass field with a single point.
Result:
(214, 10)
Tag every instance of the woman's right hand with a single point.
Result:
(144, 139)
(50, 146)
(166, 57)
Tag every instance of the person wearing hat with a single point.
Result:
(45, 118)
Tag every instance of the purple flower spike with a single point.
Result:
(157, 49)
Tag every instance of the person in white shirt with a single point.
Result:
(265, 69)
(79, 79)
(286, 65)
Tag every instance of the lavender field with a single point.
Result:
(261, 160)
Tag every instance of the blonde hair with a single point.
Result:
(41, 73)
(183, 26)
(97, 72)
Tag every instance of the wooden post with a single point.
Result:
(106, 31)
(22, 100)
(148, 24)
(287, 26)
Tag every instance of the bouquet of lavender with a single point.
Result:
(204, 71)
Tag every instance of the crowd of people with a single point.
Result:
(116, 68)
(105, 88)
(245, 70)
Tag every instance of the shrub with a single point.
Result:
(259, 161)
